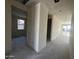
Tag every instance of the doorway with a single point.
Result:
(49, 24)
(18, 28)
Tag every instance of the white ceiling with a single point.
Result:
(62, 8)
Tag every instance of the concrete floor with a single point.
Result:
(57, 49)
(18, 42)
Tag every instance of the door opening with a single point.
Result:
(49, 24)
(18, 28)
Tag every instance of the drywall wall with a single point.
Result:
(56, 27)
(37, 26)
(43, 27)
(57, 21)
(72, 39)
(8, 4)
(33, 26)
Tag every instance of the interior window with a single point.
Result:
(20, 24)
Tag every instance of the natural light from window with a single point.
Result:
(66, 28)
(20, 24)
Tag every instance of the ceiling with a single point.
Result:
(62, 7)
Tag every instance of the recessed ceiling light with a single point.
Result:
(56, 1)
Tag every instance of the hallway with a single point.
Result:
(58, 49)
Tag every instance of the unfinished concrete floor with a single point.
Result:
(57, 49)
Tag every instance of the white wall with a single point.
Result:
(57, 21)
(43, 26)
(56, 27)
(8, 5)
(37, 26)
(33, 25)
